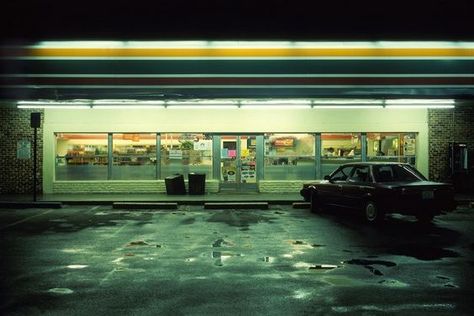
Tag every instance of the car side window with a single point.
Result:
(342, 174)
(384, 173)
(361, 174)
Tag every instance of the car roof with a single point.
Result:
(373, 163)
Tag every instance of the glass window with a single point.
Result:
(398, 147)
(393, 173)
(338, 149)
(186, 152)
(134, 157)
(342, 174)
(361, 174)
(289, 157)
(81, 156)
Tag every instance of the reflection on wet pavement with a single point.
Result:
(247, 256)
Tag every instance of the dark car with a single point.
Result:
(375, 189)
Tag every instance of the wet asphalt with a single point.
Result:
(95, 260)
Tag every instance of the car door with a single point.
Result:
(333, 189)
(356, 187)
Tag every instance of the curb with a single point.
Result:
(22, 205)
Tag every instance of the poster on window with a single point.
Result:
(203, 145)
(409, 146)
(175, 154)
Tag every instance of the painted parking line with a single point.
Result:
(25, 219)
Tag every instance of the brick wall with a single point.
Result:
(115, 186)
(277, 186)
(445, 126)
(16, 174)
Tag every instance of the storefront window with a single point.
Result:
(81, 156)
(398, 147)
(338, 149)
(185, 153)
(134, 157)
(289, 157)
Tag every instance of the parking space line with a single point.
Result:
(25, 219)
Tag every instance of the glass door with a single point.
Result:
(238, 162)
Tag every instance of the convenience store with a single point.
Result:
(252, 116)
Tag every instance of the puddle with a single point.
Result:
(393, 283)
(368, 264)
(77, 266)
(138, 243)
(339, 280)
(423, 253)
(323, 267)
(188, 221)
(221, 242)
(223, 256)
(60, 290)
(239, 218)
(268, 259)
(65, 225)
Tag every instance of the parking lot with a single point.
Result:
(95, 260)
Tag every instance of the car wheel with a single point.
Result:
(372, 213)
(315, 202)
(425, 218)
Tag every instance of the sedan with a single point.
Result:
(375, 189)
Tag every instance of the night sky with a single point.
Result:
(237, 20)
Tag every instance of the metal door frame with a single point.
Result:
(238, 186)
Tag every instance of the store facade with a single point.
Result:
(266, 150)
(251, 116)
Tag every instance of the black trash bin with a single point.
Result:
(175, 185)
(197, 183)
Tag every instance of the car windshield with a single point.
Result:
(395, 173)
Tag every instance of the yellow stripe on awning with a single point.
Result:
(242, 52)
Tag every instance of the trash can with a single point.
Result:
(197, 183)
(175, 185)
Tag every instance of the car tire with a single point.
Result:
(315, 203)
(372, 213)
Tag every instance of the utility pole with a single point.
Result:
(35, 122)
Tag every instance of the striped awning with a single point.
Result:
(174, 70)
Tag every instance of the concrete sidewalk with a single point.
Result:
(110, 198)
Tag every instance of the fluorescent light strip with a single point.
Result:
(340, 106)
(347, 102)
(130, 107)
(248, 104)
(435, 106)
(275, 102)
(274, 106)
(189, 106)
(45, 106)
(419, 101)
(250, 44)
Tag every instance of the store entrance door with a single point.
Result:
(238, 162)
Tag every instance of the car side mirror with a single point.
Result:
(326, 177)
